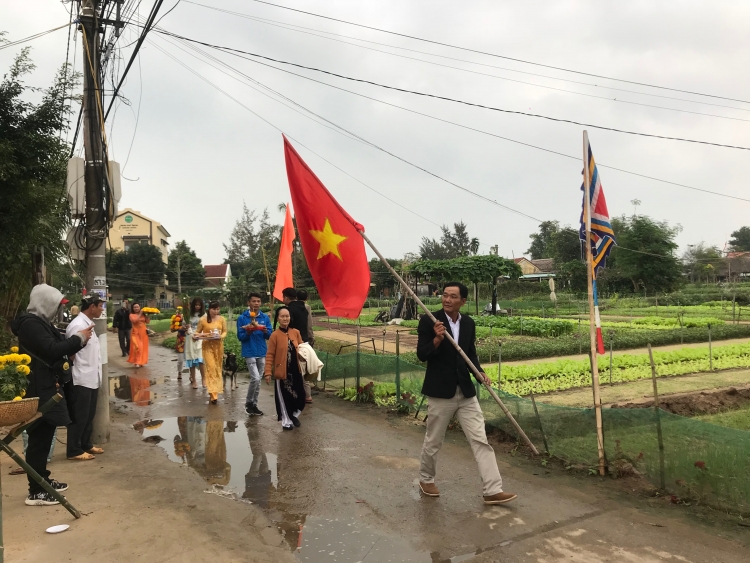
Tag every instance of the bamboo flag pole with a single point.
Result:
(450, 339)
(592, 313)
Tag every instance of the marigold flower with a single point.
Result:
(14, 349)
(25, 359)
(17, 398)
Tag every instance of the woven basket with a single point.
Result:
(14, 412)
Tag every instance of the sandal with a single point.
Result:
(83, 457)
(308, 401)
(95, 450)
(16, 471)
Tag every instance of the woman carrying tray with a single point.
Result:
(138, 337)
(212, 330)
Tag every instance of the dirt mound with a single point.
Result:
(701, 402)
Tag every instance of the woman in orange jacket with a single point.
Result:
(282, 362)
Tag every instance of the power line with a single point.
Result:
(32, 37)
(308, 31)
(442, 44)
(231, 50)
(399, 158)
(551, 151)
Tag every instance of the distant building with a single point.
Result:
(132, 227)
(218, 276)
(540, 269)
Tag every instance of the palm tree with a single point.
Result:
(474, 246)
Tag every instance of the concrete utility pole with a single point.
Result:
(179, 276)
(96, 213)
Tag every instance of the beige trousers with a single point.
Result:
(439, 414)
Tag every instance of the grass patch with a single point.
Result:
(739, 418)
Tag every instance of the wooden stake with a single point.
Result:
(450, 339)
(659, 437)
(592, 317)
(539, 420)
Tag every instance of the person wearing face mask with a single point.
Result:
(282, 361)
(50, 371)
(87, 377)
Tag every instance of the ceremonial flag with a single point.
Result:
(602, 237)
(284, 277)
(333, 247)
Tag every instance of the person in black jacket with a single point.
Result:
(122, 326)
(49, 351)
(450, 390)
(298, 311)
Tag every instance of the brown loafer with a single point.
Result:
(429, 489)
(500, 498)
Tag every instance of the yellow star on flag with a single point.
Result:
(329, 241)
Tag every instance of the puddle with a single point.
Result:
(223, 453)
(232, 458)
(135, 390)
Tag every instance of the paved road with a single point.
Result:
(343, 487)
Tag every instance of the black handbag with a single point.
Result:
(62, 370)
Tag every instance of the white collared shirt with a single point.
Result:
(455, 327)
(87, 365)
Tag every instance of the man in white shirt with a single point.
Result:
(87, 377)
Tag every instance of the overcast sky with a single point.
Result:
(197, 154)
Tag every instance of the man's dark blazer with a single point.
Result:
(446, 369)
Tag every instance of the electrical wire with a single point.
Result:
(309, 31)
(233, 51)
(442, 44)
(32, 37)
(375, 146)
(288, 135)
(551, 151)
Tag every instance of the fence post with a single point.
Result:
(611, 348)
(539, 420)
(660, 438)
(358, 355)
(490, 344)
(521, 323)
(499, 363)
(710, 354)
(398, 366)
(580, 342)
(682, 328)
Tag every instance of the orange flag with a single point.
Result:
(284, 277)
(334, 249)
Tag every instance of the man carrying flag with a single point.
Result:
(333, 243)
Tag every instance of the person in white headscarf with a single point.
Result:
(50, 371)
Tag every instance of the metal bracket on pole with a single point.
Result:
(450, 339)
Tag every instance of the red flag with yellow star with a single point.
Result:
(333, 247)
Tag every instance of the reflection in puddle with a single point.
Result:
(232, 459)
(133, 389)
(213, 447)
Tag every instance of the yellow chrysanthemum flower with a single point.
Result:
(23, 392)
(20, 369)
(14, 349)
(25, 359)
(26, 370)
(17, 398)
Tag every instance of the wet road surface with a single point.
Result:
(343, 487)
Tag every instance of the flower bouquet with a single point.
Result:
(151, 310)
(14, 372)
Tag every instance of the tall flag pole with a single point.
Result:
(337, 259)
(596, 232)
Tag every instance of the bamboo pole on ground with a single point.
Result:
(450, 339)
(592, 317)
(659, 436)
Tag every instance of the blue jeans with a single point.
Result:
(255, 366)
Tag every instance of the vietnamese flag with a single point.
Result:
(284, 277)
(333, 247)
